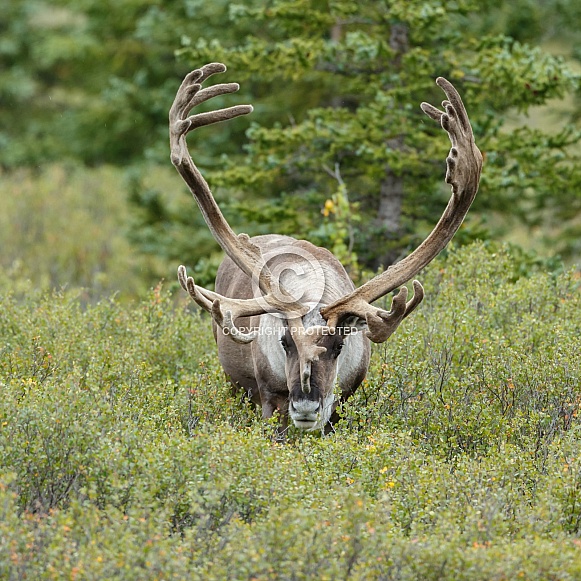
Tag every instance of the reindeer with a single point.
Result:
(287, 319)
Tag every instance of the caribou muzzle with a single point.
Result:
(305, 413)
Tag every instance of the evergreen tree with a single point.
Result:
(357, 168)
(338, 150)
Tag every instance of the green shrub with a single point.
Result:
(484, 361)
(64, 226)
(125, 455)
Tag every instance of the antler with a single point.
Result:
(463, 167)
(240, 249)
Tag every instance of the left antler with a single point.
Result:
(246, 255)
(463, 167)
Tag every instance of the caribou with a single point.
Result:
(291, 328)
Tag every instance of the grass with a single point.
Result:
(124, 454)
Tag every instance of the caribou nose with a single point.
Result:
(304, 413)
(305, 407)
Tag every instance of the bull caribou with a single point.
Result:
(288, 321)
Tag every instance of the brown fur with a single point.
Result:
(250, 367)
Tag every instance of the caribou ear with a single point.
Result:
(352, 324)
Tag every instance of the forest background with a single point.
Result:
(337, 150)
(124, 453)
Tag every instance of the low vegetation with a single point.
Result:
(124, 454)
(67, 226)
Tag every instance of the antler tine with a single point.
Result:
(225, 321)
(381, 324)
(224, 310)
(463, 168)
(189, 95)
(188, 284)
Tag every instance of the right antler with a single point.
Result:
(245, 254)
(463, 167)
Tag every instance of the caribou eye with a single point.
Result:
(337, 350)
(284, 344)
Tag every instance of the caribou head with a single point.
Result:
(289, 323)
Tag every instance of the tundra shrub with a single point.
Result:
(484, 361)
(63, 225)
(125, 455)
